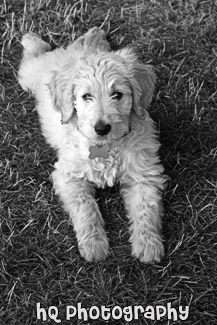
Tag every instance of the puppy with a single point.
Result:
(92, 103)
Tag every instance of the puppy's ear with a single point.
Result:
(61, 91)
(142, 80)
(144, 85)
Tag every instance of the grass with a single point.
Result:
(39, 256)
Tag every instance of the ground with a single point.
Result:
(40, 262)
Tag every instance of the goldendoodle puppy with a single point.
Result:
(92, 103)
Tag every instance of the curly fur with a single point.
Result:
(75, 88)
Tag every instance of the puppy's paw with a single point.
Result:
(33, 45)
(148, 249)
(94, 249)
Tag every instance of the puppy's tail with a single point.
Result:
(33, 49)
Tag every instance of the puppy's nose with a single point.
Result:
(101, 128)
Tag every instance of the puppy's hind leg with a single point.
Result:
(33, 46)
(93, 40)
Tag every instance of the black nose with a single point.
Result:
(101, 128)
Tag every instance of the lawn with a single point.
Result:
(40, 263)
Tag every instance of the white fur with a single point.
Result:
(59, 80)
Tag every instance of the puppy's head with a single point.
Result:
(100, 92)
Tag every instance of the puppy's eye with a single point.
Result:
(117, 95)
(87, 97)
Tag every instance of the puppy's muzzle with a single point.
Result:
(102, 128)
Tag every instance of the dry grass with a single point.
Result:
(39, 256)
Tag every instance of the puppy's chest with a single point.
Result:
(103, 171)
(83, 164)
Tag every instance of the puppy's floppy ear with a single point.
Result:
(145, 78)
(61, 91)
(142, 79)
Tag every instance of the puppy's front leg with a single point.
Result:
(78, 198)
(142, 202)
